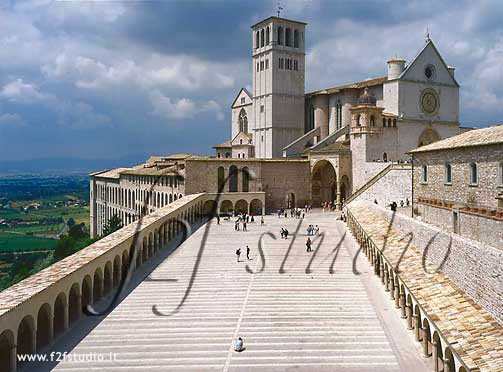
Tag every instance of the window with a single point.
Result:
(358, 120)
(241, 141)
(261, 108)
(296, 39)
(257, 39)
(425, 174)
(266, 64)
(296, 65)
(233, 179)
(245, 179)
(372, 121)
(262, 138)
(243, 100)
(389, 123)
(448, 173)
(280, 35)
(384, 123)
(239, 155)
(262, 39)
(258, 66)
(261, 65)
(474, 178)
(267, 35)
(394, 123)
(288, 37)
(279, 63)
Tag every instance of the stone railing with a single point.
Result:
(39, 309)
(472, 208)
(434, 342)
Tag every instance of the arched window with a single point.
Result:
(257, 39)
(474, 177)
(239, 156)
(243, 121)
(296, 38)
(267, 33)
(358, 120)
(233, 178)
(384, 123)
(372, 121)
(425, 173)
(262, 37)
(221, 180)
(280, 35)
(288, 37)
(389, 123)
(448, 173)
(245, 179)
(384, 157)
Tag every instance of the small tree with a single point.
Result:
(114, 224)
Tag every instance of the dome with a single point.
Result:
(366, 98)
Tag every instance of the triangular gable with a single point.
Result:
(428, 55)
(240, 136)
(242, 92)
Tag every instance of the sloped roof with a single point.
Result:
(111, 173)
(357, 85)
(225, 144)
(428, 43)
(239, 93)
(477, 137)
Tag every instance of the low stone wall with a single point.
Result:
(393, 186)
(485, 229)
(475, 268)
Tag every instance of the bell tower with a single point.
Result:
(278, 84)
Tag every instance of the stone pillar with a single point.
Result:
(403, 305)
(410, 326)
(13, 358)
(338, 201)
(321, 114)
(418, 327)
(434, 349)
(397, 297)
(426, 354)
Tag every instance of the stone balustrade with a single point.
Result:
(37, 310)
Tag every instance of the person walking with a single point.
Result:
(316, 230)
(238, 253)
(282, 233)
(286, 234)
(308, 245)
(238, 346)
(244, 226)
(248, 252)
(262, 221)
(218, 219)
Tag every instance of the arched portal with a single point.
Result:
(323, 183)
(428, 136)
(233, 178)
(26, 336)
(256, 207)
(59, 314)
(226, 207)
(74, 304)
(290, 200)
(209, 208)
(44, 326)
(6, 345)
(241, 206)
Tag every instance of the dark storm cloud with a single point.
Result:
(109, 79)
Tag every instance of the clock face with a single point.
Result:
(429, 102)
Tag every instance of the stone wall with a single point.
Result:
(475, 268)
(393, 186)
(485, 229)
(460, 190)
(277, 178)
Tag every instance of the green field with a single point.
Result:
(18, 242)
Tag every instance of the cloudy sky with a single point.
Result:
(109, 79)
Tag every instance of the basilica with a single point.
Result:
(302, 147)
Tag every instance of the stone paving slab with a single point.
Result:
(290, 321)
(475, 335)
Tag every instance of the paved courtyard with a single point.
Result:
(302, 312)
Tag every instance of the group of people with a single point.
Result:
(244, 219)
(284, 233)
(294, 212)
(238, 253)
(330, 206)
(311, 230)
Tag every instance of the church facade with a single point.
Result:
(300, 148)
